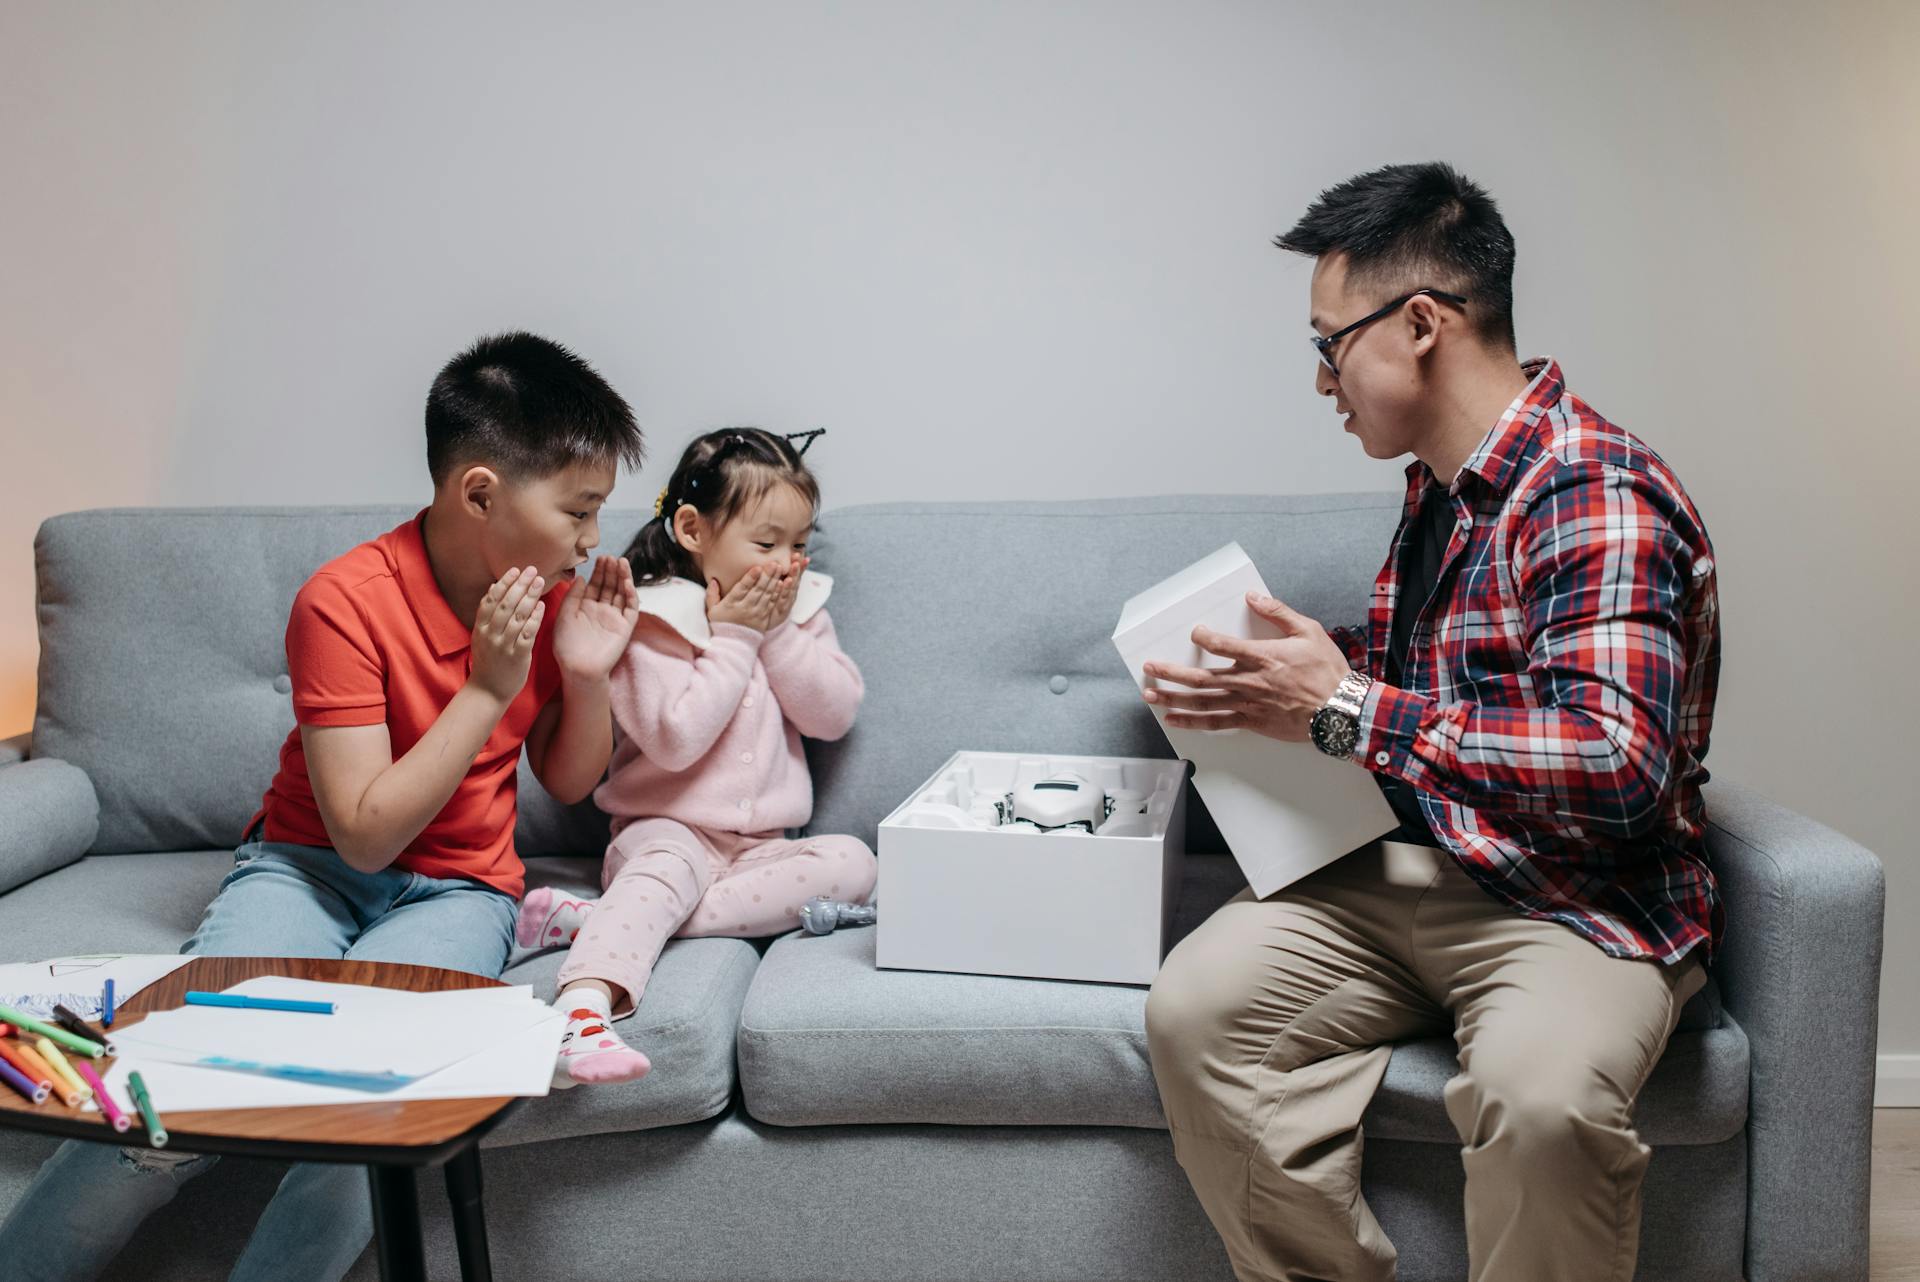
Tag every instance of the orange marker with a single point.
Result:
(43, 1072)
(11, 1051)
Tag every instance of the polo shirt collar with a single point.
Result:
(443, 628)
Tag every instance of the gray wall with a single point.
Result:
(1002, 250)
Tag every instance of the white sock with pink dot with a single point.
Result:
(590, 1051)
(549, 919)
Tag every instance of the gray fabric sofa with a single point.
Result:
(811, 1117)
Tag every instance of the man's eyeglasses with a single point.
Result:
(1325, 345)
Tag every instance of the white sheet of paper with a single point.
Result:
(372, 1030)
(1285, 809)
(76, 982)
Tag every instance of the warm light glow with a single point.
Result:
(16, 699)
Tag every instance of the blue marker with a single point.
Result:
(259, 1003)
(106, 1006)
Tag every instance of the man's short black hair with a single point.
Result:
(1409, 227)
(527, 407)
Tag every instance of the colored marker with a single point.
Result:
(79, 1027)
(28, 1061)
(106, 1004)
(258, 1003)
(59, 1036)
(10, 1052)
(108, 1109)
(36, 1092)
(75, 1092)
(156, 1133)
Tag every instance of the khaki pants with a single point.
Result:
(1271, 1025)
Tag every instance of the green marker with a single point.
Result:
(156, 1133)
(52, 1032)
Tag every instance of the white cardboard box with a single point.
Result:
(1015, 901)
(1285, 809)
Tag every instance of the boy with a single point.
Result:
(422, 662)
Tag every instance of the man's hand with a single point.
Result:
(754, 601)
(596, 622)
(503, 631)
(1273, 688)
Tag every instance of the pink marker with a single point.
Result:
(108, 1109)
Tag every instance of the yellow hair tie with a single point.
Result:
(660, 504)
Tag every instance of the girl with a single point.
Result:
(733, 660)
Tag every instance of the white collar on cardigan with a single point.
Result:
(681, 604)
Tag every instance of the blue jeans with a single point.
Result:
(279, 901)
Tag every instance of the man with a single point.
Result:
(1533, 691)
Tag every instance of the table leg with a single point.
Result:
(396, 1224)
(469, 1215)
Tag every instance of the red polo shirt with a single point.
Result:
(371, 640)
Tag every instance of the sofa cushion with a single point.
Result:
(826, 1038)
(988, 626)
(111, 903)
(177, 715)
(685, 1024)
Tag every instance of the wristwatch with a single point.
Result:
(1335, 729)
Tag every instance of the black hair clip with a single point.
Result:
(805, 439)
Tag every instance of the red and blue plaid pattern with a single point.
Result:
(1559, 687)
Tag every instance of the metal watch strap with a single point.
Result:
(1351, 694)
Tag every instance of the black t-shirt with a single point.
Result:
(1425, 549)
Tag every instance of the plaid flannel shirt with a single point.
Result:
(1559, 686)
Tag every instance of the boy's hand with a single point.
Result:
(752, 602)
(596, 621)
(503, 631)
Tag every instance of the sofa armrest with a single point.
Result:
(15, 750)
(48, 818)
(1800, 971)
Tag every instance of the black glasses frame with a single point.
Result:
(1325, 345)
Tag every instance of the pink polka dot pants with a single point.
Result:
(664, 879)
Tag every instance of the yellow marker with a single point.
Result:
(58, 1062)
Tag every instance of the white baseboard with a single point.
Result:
(1897, 1084)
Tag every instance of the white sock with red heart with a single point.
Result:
(549, 919)
(590, 1051)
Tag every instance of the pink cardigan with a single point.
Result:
(708, 720)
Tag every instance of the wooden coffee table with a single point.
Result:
(392, 1139)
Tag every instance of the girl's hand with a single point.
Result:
(789, 588)
(751, 603)
(596, 621)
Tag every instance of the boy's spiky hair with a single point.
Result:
(528, 407)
